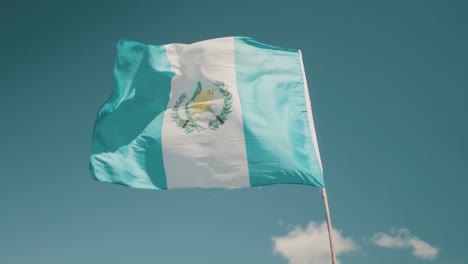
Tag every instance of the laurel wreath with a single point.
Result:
(214, 123)
(176, 117)
(189, 125)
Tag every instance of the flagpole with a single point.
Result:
(329, 225)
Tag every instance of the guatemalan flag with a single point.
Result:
(222, 113)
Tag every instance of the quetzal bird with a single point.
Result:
(199, 103)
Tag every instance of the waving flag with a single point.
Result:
(222, 113)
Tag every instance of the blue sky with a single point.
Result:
(388, 84)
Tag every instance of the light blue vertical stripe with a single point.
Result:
(127, 145)
(277, 135)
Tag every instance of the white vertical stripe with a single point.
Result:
(208, 158)
(309, 113)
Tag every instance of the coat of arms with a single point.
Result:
(198, 111)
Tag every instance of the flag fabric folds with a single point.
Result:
(222, 113)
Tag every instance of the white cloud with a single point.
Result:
(402, 238)
(310, 245)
